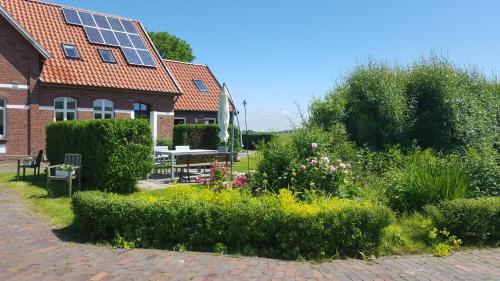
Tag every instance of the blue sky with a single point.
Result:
(278, 53)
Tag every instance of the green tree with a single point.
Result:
(172, 47)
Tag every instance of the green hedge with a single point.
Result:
(472, 220)
(268, 225)
(115, 153)
(251, 140)
(202, 136)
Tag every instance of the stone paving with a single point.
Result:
(29, 250)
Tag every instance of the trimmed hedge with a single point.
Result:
(202, 136)
(115, 153)
(269, 225)
(251, 140)
(472, 220)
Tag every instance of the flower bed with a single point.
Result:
(267, 225)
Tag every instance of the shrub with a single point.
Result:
(472, 220)
(115, 153)
(165, 141)
(202, 136)
(483, 171)
(426, 179)
(455, 108)
(251, 140)
(273, 225)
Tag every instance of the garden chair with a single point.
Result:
(187, 162)
(161, 164)
(35, 164)
(74, 161)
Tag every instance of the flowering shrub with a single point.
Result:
(220, 178)
(319, 173)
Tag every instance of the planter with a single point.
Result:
(61, 173)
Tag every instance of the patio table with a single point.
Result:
(174, 153)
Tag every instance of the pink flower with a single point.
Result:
(303, 167)
(349, 165)
(342, 165)
(333, 170)
(314, 146)
(314, 162)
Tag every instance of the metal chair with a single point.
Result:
(33, 165)
(75, 162)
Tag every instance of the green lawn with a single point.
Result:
(242, 166)
(55, 208)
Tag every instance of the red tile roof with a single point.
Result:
(45, 23)
(192, 98)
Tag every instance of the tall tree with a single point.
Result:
(172, 47)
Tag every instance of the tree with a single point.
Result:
(172, 47)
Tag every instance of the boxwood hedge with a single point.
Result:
(115, 153)
(251, 140)
(472, 220)
(268, 225)
(203, 136)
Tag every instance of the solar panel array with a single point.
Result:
(112, 31)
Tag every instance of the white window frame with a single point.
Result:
(65, 110)
(103, 111)
(180, 118)
(3, 134)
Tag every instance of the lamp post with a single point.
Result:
(248, 139)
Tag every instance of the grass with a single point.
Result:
(242, 166)
(57, 209)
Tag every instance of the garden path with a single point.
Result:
(30, 250)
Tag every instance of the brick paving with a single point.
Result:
(29, 250)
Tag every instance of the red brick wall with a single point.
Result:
(165, 126)
(19, 63)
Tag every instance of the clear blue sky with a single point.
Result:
(275, 53)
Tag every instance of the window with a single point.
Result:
(179, 120)
(70, 51)
(103, 109)
(200, 85)
(107, 56)
(210, 121)
(64, 109)
(2, 119)
(141, 110)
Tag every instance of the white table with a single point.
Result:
(173, 153)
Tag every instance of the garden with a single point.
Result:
(395, 160)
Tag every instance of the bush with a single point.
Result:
(251, 140)
(165, 141)
(426, 179)
(483, 171)
(472, 220)
(273, 225)
(202, 136)
(115, 153)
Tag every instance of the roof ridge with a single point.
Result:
(79, 9)
(183, 62)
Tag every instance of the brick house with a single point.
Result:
(60, 63)
(200, 97)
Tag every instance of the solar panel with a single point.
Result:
(93, 35)
(101, 21)
(87, 18)
(109, 37)
(115, 24)
(112, 31)
(71, 16)
(123, 39)
(129, 26)
(131, 56)
(137, 41)
(146, 58)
